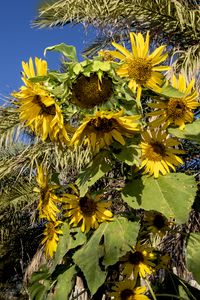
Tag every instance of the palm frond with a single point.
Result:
(10, 126)
(172, 22)
(16, 203)
(50, 154)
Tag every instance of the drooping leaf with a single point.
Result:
(192, 255)
(170, 92)
(68, 51)
(191, 131)
(109, 242)
(64, 284)
(172, 195)
(97, 168)
(69, 240)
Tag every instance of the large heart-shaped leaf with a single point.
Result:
(108, 243)
(172, 195)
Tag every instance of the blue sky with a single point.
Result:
(19, 41)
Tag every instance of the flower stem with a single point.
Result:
(150, 289)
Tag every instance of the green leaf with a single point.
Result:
(176, 286)
(39, 284)
(69, 240)
(64, 284)
(172, 195)
(192, 255)
(38, 291)
(170, 92)
(97, 168)
(129, 154)
(191, 131)
(116, 245)
(108, 243)
(42, 273)
(68, 51)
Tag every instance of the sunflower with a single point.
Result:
(87, 92)
(139, 67)
(86, 211)
(176, 111)
(125, 290)
(139, 261)
(158, 154)
(38, 109)
(51, 238)
(99, 130)
(156, 223)
(46, 207)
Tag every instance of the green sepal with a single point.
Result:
(60, 77)
(97, 168)
(190, 132)
(67, 51)
(38, 79)
(108, 243)
(100, 65)
(172, 195)
(78, 68)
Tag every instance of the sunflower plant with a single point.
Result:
(107, 222)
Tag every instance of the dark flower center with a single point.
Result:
(45, 193)
(101, 124)
(87, 206)
(158, 148)
(159, 221)
(90, 91)
(125, 294)
(176, 108)
(139, 69)
(48, 110)
(136, 258)
(51, 231)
